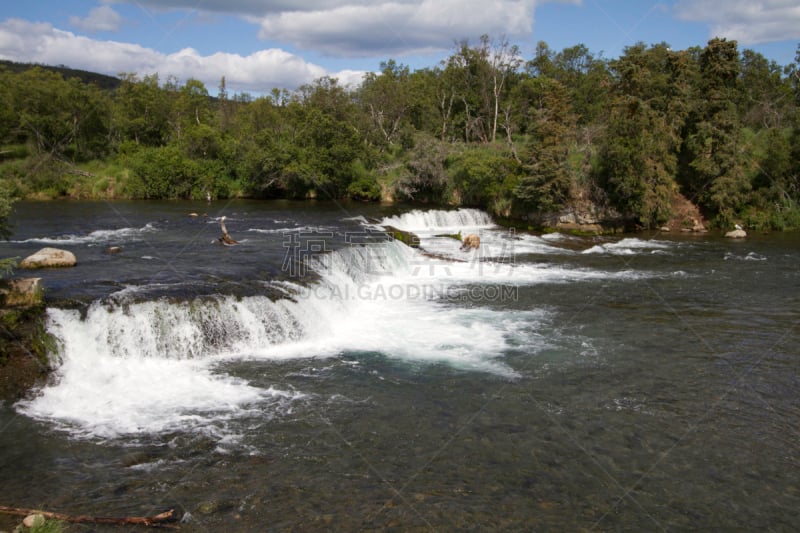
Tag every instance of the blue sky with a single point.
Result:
(258, 45)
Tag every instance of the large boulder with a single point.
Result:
(23, 292)
(738, 233)
(49, 257)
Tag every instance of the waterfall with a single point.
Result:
(131, 367)
(440, 220)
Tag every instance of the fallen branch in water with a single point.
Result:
(226, 238)
(153, 521)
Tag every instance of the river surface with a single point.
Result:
(318, 376)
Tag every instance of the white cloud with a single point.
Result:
(423, 26)
(101, 18)
(258, 72)
(373, 28)
(254, 7)
(747, 21)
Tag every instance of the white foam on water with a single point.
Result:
(126, 372)
(750, 256)
(438, 220)
(98, 236)
(155, 366)
(629, 246)
(297, 229)
(555, 236)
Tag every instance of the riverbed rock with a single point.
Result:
(738, 233)
(49, 258)
(581, 216)
(694, 225)
(23, 292)
(34, 520)
(406, 237)
(113, 250)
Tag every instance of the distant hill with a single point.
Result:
(100, 80)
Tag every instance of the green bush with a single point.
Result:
(168, 173)
(482, 176)
(364, 185)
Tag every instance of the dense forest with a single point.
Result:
(488, 127)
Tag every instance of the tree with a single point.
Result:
(425, 178)
(464, 74)
(387, 99)
(714, 169)
(9, 115)
(585, 77)
(547, 180)
(190, 106)
(45, 108)
(483, 176)
(638, 157)
(638, 161)
(476, 78)
(141, 111)
(765, 95)
(6, 204)
(504, 60)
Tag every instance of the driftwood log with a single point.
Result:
(159, 520)
(226, 238)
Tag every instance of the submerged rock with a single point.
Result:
(406, 237)
(49, 258)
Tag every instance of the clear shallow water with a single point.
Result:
(548, 383)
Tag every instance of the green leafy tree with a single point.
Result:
(765, 95)
(585, 76)
(48, 113)
(166, 172)
(387, 99)
(9, 115)
(424, 177)
(6, 205)
(363, 184)
(469, 75)
(141, 111)
(483, 176)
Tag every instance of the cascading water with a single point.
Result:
(403, 388)
(440, 220)
(151, 366)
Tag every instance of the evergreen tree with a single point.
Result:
(715, 172)
(637, 162)
(551, 125)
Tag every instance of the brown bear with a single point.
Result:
(471, 242)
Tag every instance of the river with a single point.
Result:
(318, 376)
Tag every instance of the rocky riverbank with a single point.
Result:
(25, 345)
